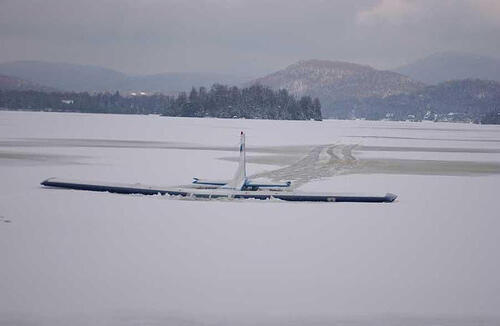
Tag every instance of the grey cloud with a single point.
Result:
(243, 36)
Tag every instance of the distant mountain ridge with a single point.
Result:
(446, 66)
(64, 76)
(18, 84)
(333, 81)
(345, 90)
(80, 78)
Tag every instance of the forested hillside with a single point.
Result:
(13, 83)
(333, 81)
(459, 100)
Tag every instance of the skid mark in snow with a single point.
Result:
(322, 161)
(297, 163)
(330, 160)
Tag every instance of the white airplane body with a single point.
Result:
(240, 186)
(240, 180)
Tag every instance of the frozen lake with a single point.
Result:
(84, 258)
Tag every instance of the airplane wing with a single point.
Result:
(252, 184)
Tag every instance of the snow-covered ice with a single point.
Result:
(100, 258)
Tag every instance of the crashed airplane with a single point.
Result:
(239, 187)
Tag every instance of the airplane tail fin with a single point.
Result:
(242, 167)
(240, 177)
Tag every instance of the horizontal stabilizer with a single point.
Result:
(209, 182)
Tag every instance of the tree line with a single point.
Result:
(254, 102)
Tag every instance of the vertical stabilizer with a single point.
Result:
(240, 177)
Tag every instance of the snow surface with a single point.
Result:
(74, 257)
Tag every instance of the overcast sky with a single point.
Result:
(243, 36)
